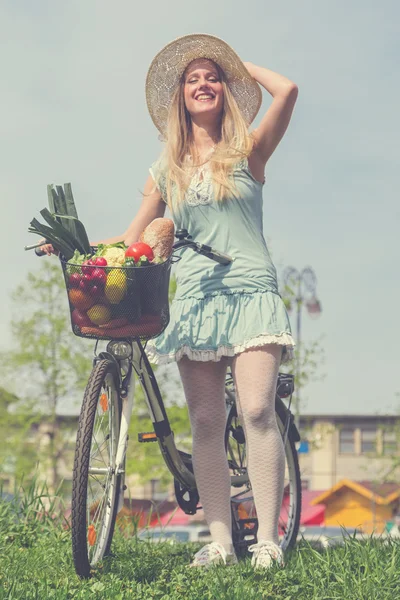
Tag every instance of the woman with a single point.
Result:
(202, 99)
(211, 175)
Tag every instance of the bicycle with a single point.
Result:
(102, 439)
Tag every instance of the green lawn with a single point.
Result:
(36, 562)
(40, 567)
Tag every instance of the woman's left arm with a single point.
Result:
(276, 120)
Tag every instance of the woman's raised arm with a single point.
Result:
(276, 120)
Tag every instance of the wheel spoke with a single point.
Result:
(99, 450)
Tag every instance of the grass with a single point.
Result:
(36, 563)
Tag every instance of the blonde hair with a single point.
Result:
(235, 143)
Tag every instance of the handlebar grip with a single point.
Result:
(219, 257)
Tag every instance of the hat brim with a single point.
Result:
(170, 63)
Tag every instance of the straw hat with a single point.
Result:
(170, 63)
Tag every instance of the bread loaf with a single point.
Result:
(159, 235)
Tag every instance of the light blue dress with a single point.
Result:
(222, 310)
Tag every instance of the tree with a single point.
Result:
(18, 454)
(47, 363)
(387, 451)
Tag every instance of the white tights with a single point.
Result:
(255, 374)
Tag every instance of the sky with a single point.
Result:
(74, 110)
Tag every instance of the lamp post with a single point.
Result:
(303, 285)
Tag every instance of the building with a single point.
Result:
(363, 505)
(353, 447)
(357, 448)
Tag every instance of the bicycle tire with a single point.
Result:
(91, 541)
(289, 540)
(291, 528)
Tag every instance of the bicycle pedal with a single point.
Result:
(147, 437)
(245, 523)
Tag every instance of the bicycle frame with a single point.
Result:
(165, 437)
(139, 364)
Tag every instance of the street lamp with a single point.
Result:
(303, 285)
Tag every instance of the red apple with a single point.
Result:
(80, 318)
(85, 283)
(98, 276)
(87, 266)
(96, 291)
(100, 261)
(74, 280)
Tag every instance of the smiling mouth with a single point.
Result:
(204, 97)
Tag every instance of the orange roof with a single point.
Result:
(362, 489)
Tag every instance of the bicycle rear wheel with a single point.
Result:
(95, 480)
(244, 514)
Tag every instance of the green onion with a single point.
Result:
(64, 230)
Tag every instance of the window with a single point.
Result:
(389, 442)
(368, 440)
(346, 441)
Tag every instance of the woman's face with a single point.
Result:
(203, 92)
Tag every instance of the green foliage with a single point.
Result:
(19, 454)
(29, 512)
(387, 453)
(306, 366)
(48, 365)
(47, 357)
(36, 562)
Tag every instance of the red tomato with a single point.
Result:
(139, 249)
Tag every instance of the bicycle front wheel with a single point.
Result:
(95, 476)
(244, 514)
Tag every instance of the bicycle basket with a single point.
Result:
(118, 302)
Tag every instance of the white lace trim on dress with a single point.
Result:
(201, 187)
(284, 339)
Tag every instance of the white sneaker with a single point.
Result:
(213, 554)
(265, 554)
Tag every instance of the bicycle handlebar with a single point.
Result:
(219, 257)
(185, 241)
